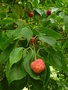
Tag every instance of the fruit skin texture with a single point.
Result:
(31, 14)
(48, 12)
(38, 66)
(33, 40)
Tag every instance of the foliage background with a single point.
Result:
(16, 53)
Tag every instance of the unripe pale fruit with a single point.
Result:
(31, 14)
(38, 66)
(33, 39)
(48, 12)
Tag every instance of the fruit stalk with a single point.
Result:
(34, 51)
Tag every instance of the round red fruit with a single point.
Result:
(33, 39)
(31, 14)
(48, 12)
(38, 66)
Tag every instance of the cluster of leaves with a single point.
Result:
(16, 51)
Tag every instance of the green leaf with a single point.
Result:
(35, 3)
(45, 75)
(50, 32)
(4, 42)
(36, 84)
(27, 61)
(49, 40)
(20, 24)
(15, 55)
(2, 14)
(39, 11)
(5, 55)
(7, 22)
(66, 22)
(19, 33)
(56, 58)
(17, 72)
(18, 10)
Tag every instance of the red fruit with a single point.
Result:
(38, 66)
(48, 12)
(33, 39)
(31, 14)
